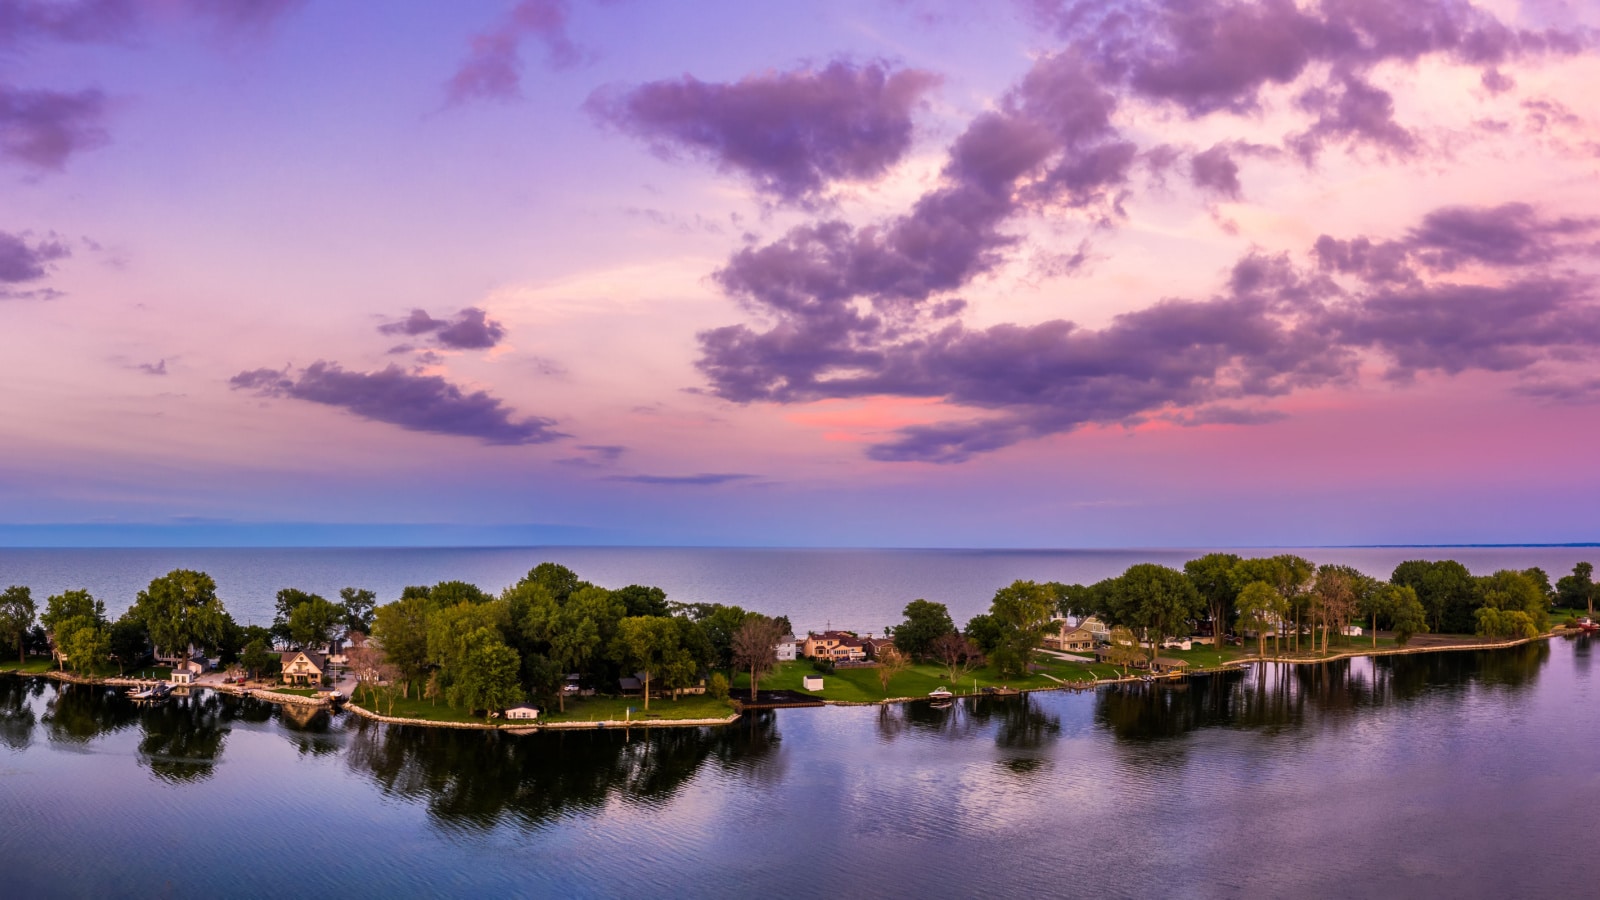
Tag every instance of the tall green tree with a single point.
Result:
(487, 679)
(1446, 590)
(17, 611)
(1577, 589)
(181, 609)
(287, 601)
(85, 640)
(1410, 617)
(646, 644)
(314, 622)
(1260, 607)
(1155, 600)
(1513, 606)
(65, 607)
(925, 622)
(357, 606)
(1021, 611)
(1214, 579)
(640, 600)
(129, 645)
(401, 627)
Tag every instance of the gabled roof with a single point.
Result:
(316, 659)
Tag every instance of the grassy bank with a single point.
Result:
(615, 709)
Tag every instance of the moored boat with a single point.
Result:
(940, 693)
(1586, 625)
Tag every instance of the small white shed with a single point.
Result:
(812, 682)
(522, 712)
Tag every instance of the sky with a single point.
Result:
(1034, 273)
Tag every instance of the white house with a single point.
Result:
(788, 648)
(522, 712)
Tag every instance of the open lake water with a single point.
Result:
(1464, 774)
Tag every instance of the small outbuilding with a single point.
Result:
(1164, 665)
(522, 712)
(811, 682)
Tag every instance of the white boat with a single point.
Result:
(940, 693)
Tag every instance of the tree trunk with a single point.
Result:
(647, 692)
(1374, 631)
(561, 697)
(752, 682)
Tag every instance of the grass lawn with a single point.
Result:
(862, 685)
(34, 665)
(412, 708)
(605, 709)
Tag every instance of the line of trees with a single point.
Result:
(174, 613)
(484, 653)
(1286, 597)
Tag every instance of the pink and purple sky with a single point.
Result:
(884, 273)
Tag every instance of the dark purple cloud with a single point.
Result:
(1274, 329)
(42, 128)
(1210, 56)
(705, 479)
(159, 367)
(1214, 170)
(792, 133)
(471, 329)
(493, 67)
(21, 262)
(414, 402)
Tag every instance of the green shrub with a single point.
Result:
(717, 687)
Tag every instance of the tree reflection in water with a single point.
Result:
(17, 718)
(1282, 698)
(474, 779)
(79, 713)
(184, 736)
(1023, 731)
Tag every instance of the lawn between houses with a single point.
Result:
(861, 685)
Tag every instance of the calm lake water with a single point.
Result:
(859, 590)
(1469, 774)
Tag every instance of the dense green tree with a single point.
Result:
(983, 630)
(1409, 616)
(925, 622)
(401, 628)
(1215, 580)
(128, 643)
(1445, 588)
(570, 635)
(1335, 599)
(639, 600)
(646, 644)
(487, 679)
(287, 601)
(1021, 610)
(1577, 589)
(357, 606)
(181, 609)
(1072, 600)
(718, 622)
(755, 647)
(1291, 576)
(1541, 579)
(1155, 600)
(1260, 607)
(451, 631)
(65, 607)
(1376, 603)
(452, 593)
(559, 580)
(257, 657)
(314, 622)
(17, 611)
(1513, 606)
(85, 640)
